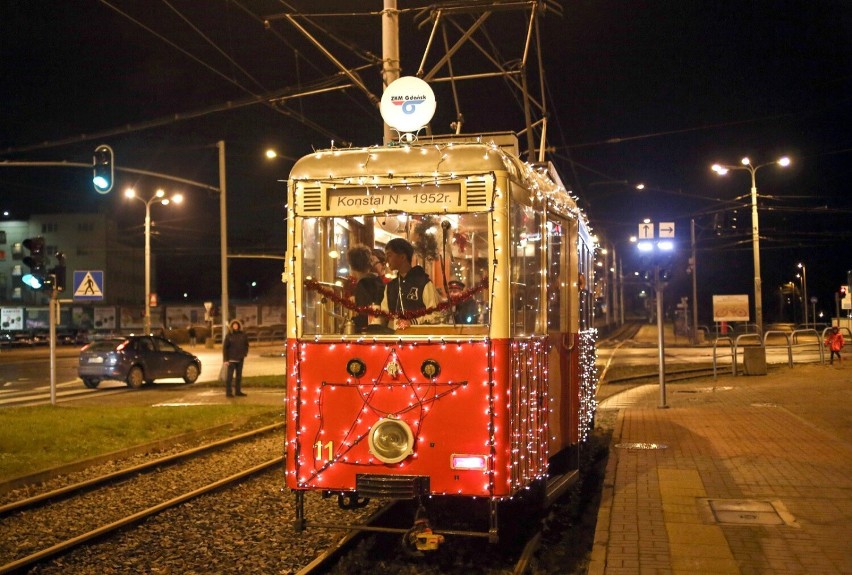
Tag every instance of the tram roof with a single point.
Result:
(409, 159)
(460, 154)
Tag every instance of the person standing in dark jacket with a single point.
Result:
(411, 290)
(234, 351)
(369, 288)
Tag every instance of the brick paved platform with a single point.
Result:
(745, 475)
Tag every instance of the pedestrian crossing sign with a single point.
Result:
(88, 285)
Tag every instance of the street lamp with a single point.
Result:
(805, 291)
(159, 196)
(658, 253)
(755, 235)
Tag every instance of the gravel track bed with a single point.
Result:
(247, 529)
(243, 529)
(32, 530)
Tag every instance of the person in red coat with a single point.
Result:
(834, 342)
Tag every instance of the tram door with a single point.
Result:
(562, 328)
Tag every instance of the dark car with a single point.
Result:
(136, 359)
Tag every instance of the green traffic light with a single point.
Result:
(101, 182)
(102, 169)
(33, 281)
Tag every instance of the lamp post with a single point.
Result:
(159, 196)
(755, 234)
(805, 291)
(657, 253)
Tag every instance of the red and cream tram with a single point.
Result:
(481, 409)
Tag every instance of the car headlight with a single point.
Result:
(391, 440)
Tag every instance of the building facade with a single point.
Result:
(88, 241)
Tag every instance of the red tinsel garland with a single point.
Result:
(327, 293)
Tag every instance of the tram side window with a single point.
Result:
(556, 310)
(324, 245)
(583, 284)
(526, 270)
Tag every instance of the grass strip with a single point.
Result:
(41, 437)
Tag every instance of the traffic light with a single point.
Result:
(58, 272)
(36, 277)
(102, 169)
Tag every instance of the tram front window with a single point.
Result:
(452, 249)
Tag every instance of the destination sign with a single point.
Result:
(418, 196)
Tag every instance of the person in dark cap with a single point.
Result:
(411, 290)
(234, 351)
(465, 311)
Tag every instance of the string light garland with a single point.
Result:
(505, 399)
(453, 299)
(588, 382)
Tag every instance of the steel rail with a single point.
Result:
(324, 559)
(79, 540)
(69, 490)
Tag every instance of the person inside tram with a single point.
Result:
(378, 264)
(467, 311)
(411, 290)
(369, 289)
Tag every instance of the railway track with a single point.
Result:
(671, 375)
(114, 501)
(383, 532)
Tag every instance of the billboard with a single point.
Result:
(730, 308)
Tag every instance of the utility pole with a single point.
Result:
(659, 287)
(694, 285)
(390, 51)
(53, 316)
(223, 237)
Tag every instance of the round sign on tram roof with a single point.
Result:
(408, 104)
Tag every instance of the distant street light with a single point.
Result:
(805, 291)
(272, 154)
(159, 196)
(722, 169)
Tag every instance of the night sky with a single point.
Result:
(638, 91)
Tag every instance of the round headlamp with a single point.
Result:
(391, 440)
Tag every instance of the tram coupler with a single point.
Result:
(421, 537)
(426, 540)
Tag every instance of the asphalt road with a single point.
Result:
(28, 369)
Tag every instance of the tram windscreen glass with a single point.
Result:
(450, 247)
